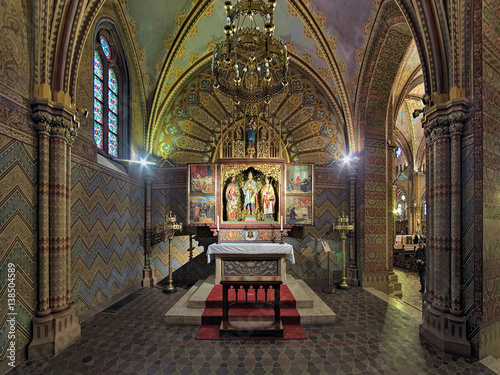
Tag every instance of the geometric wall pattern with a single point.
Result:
(490, 334)
(107, 225)
(18, 234)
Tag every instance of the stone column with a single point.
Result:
(43, 127)
(352, 271)
(148, 278)
(430, 220)
(456, 127)
(58, 199)
(442, 188)
(55, 326)
(444, 324)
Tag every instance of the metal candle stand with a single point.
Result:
(168, 229)
(343, 227)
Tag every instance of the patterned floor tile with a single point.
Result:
(369, 337)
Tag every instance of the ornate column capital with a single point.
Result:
(42, 121)
(54, 119)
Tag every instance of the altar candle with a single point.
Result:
(281, 222)
(217, 223)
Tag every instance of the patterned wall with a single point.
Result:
(107, 224)
(189, 259)
(189, 263)
(490, 336)
(18, 231)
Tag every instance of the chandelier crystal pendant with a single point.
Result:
(250, 65)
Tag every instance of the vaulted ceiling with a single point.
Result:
(327, 42)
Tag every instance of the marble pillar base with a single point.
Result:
(445, 331)
(54, 332)
(148, 278)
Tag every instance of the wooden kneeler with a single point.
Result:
(247, 290)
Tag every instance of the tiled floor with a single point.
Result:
(370, 336)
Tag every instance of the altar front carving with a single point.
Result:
(250, 260)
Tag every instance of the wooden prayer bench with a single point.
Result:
(251, 325)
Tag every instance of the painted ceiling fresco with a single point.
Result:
(174, 41)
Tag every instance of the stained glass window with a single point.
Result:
(97, 88)
(113, 86)
(113, 102)
(98, 135)
(113, 145)
(98, 112)
(113, 122)
(105, 46)
(107, 99)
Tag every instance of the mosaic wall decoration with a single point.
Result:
(107, 224)
(18, 231)
(193, 129)
(490, 336)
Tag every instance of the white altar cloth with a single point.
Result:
(250, 248)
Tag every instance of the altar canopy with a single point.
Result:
(253, 248)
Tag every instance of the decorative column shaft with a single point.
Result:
(456, 212)
(352, 272)
(442, 236)
(43, 128)
(444, 324)
(148, 271)
(58, 198)
(430, 219)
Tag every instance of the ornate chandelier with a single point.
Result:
(250, 65)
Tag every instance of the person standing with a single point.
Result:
(420, 259)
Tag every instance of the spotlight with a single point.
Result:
(426, 100)
(80, 112)
(417, 112)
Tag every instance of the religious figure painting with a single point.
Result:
(250, 194)
(202, 179)
(299, 179)
(232, 198)
(268, 198)
(299, 209)
(202, 209)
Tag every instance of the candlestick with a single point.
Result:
(217, 223)
(281, 222)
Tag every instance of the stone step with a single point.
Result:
(198, 298)
(189, 309)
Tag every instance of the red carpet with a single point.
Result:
(212, 317)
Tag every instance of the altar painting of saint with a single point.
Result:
(250, 192)
(299, 209)
(202, 179)
(202, 209)
(268, 200)
(232, 196)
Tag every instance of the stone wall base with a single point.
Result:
(148, 278)
(352, 277)
(53, 333)
(445, 331)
